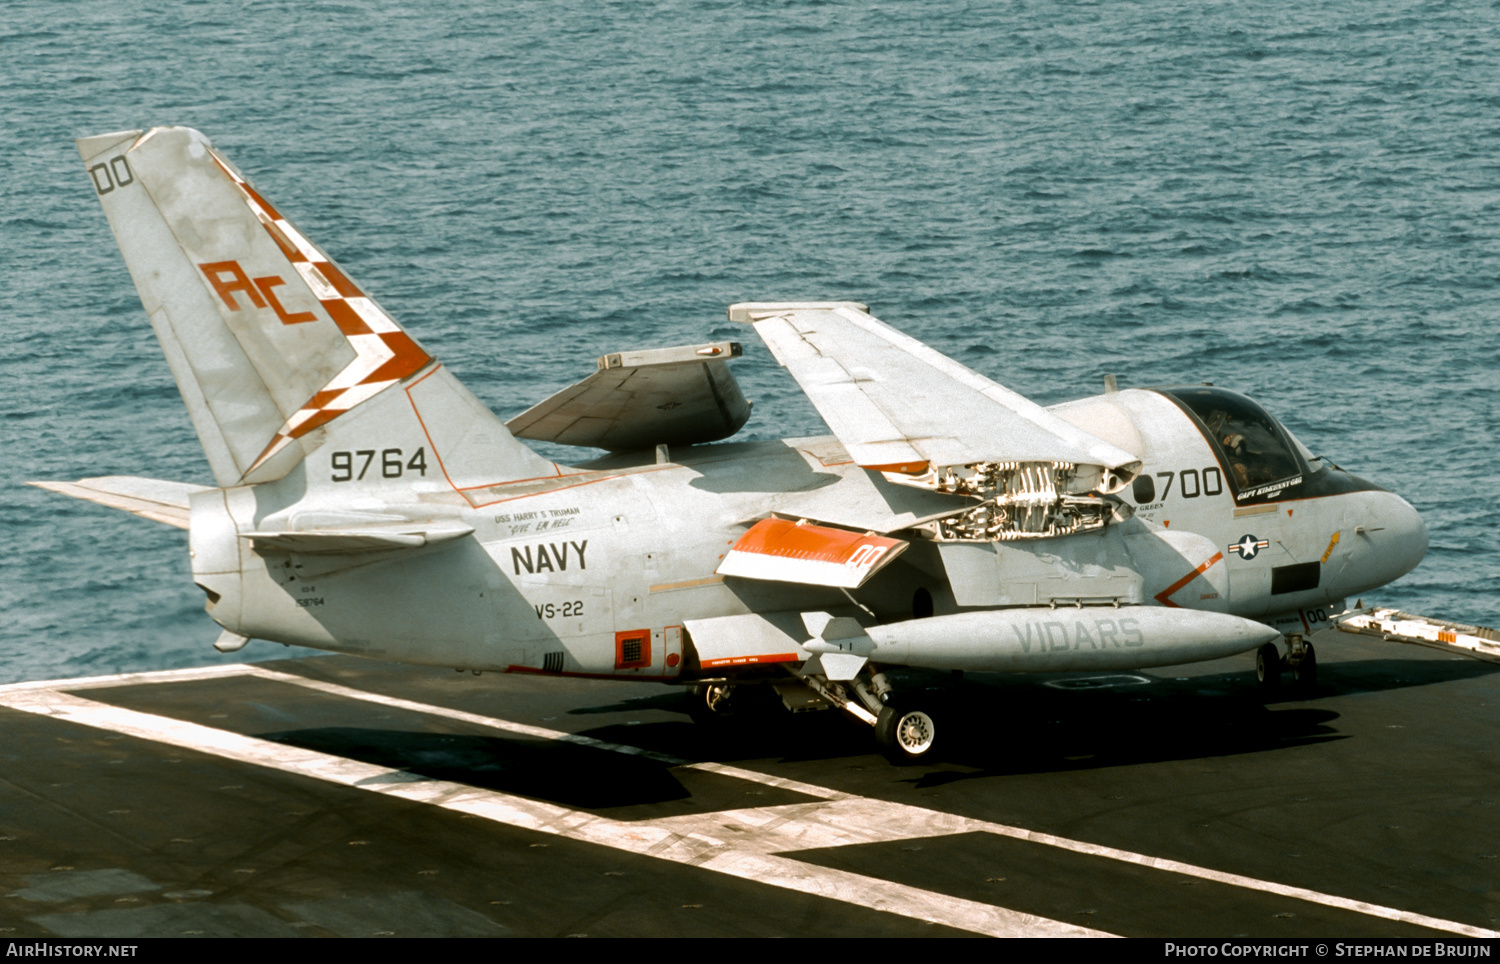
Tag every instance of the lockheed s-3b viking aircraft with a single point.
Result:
(366, 503)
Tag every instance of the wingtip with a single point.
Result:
(748, 312)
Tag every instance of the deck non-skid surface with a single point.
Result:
(332, 796)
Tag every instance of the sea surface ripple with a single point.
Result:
(1297, 201)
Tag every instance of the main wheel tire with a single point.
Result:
(1306, 672)
(727, 708)
(906, 733)
(714, 704)
(1268, 668)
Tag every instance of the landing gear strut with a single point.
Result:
(905, 729)
(1305, 670)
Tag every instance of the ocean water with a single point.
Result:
(1301, 202)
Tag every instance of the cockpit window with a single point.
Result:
(1256, 452)
(1317, 463)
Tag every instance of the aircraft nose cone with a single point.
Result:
(1390, 541)
(1407, 539)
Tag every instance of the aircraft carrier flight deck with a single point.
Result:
(338, 797)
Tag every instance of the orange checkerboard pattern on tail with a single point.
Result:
(384, 354)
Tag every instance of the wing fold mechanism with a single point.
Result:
(922, 419)
(154, 499)
(640, 399)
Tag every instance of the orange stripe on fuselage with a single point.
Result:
(1164, 597)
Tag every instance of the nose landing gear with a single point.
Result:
(1301, 658)
(1305, 670)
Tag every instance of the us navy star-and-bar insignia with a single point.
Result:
(1248, 546)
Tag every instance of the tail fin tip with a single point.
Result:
(91, 147)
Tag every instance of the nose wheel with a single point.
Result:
(1301, 659)
(1268, 669)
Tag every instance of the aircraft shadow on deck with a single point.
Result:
(998, 725)
(1021, 724)
(568, 775)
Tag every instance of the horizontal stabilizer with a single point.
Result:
(783, 551)
(410, 535)
(641, 399)
(154, 499)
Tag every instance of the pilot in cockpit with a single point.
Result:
(1232, 443)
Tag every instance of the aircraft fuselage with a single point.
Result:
(595, 573)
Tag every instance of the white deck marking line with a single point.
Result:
(697, 844)
(907, 817)
(131, 679)
(541, 733)
(856, 819)
(194, 673)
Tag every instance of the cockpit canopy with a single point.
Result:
(1260, 458)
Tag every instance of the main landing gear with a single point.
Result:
(714, 704)
(905, 732)
(905, 725)
(1301, 658)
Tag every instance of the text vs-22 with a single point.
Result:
(553, 610)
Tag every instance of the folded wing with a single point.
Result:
(638, 399)
(900, 407)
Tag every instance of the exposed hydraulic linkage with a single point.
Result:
(839, 695)
(1018, 500)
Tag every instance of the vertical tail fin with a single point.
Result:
(269, 340)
